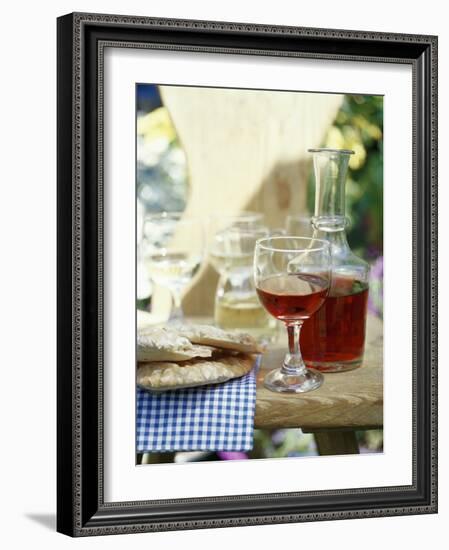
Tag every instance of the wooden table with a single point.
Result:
(347, 401)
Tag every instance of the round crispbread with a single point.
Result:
(207, 335)
(163, 344)
(165, 375)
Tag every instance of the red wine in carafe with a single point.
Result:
(333, 338)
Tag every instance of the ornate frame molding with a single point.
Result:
(81, 509)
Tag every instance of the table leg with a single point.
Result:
(334, 442)
(157, 458)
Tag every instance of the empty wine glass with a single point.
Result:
(173, 251)
(299, 225)
(243, 220)
(232, 239)
(232, 250)
(292, 276)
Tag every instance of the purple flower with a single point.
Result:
(375, 299)
(277, 437)
(232, 455)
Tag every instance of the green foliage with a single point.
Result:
(293, 442)
(282, 443)
(371, 441)
(359, 126)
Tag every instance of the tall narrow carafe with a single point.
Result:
(333, 339)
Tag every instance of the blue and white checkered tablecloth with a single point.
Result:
(218, 417)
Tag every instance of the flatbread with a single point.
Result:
(213, 336)
(164, 344)
(165, 375)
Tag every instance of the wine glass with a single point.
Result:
(244, 220)
(299, 225)
(292, 276)
(173, 251)
(232, 250)
(232, 239)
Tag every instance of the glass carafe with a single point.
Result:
(333, 339)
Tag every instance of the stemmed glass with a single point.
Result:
(173, 251)
(292, 276)
(298, 225)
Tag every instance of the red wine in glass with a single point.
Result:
(292, 276)
(292, 297)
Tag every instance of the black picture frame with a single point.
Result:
(81, 509)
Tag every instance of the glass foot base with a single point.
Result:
(335, 366)
(278, 381)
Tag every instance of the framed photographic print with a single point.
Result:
(246, 274)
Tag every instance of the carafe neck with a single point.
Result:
(336, 238)
(330, 169)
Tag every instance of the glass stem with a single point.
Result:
(176, 313)
(293, 362)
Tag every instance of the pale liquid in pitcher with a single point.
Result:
(243, 312)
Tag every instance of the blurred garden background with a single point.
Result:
(189, 146)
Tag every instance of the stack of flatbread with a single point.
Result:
(183, 356)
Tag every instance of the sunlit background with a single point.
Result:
(280, 170)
